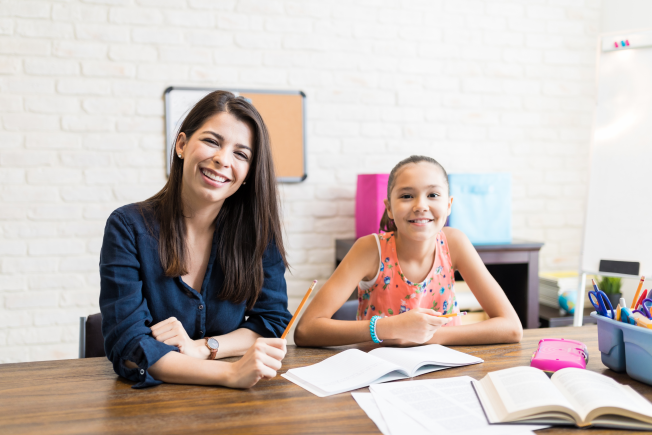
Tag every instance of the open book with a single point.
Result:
(353, 369)
(571, 397)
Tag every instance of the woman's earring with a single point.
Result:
(244, 182)
(179, 155)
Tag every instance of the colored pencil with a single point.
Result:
(461, 313)
(638, 291)
(643, 296)
(296, 313)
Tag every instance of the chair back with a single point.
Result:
(347, 311)
(91, 340)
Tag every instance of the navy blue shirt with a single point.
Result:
(135, 294)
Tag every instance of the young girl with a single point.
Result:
(405, 276)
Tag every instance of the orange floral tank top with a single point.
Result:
(392, 293)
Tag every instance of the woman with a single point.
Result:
(197, 271)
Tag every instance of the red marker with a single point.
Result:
(643, 296)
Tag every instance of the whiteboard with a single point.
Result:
(619, 206)
(282, 111)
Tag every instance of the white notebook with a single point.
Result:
(353, 369)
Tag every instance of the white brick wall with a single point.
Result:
(479, 85)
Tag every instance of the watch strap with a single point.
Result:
(213, 351)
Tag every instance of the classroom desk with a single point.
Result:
(85, 396)
(515, 266)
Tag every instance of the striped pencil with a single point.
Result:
(638, 292)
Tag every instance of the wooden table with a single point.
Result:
(85, 396)
(515, 266)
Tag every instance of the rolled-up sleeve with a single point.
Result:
(125, 315)
(269, 315)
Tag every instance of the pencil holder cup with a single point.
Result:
(625, 347)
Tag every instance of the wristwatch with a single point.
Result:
(212, 345)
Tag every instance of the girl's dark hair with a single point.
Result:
(248, 220)
(387, 224)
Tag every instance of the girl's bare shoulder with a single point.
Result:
(459, 245)
(454, 236)
(364, 256)
(365, 246)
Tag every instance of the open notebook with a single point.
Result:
(572, 396)
(353, 369)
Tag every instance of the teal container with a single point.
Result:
(625, 347)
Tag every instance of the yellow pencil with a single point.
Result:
(296, 313)
(461, 313)
(638, 292)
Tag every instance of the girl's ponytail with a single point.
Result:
(386, 224)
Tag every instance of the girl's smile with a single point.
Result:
(420, 221)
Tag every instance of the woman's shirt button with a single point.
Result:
(201, 332)
(201, 307)
(142, 372)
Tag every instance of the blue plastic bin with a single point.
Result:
(625, 347)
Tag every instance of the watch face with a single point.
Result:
(213, 344)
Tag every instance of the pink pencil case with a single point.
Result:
(558, 353)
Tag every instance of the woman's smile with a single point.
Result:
(213, 178)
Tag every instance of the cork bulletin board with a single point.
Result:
(282, 111)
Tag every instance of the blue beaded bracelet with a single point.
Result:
(372, 329)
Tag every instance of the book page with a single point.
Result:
(411, 358)
(522, 388)
(443, 406)
(345, 371)
(588, 390)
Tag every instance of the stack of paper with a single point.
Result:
(441, 406)
(553, 284)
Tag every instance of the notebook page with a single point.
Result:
(344, 371)
(444, 406)
(526, 387)
(410, 358)
(588, 390)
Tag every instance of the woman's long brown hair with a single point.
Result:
(248, 220)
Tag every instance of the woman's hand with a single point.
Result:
(416, 326)
(261, 361)
(172, 332)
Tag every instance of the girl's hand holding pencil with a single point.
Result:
(415, 326)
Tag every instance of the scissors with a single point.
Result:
(645, 306)
(601, 302)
